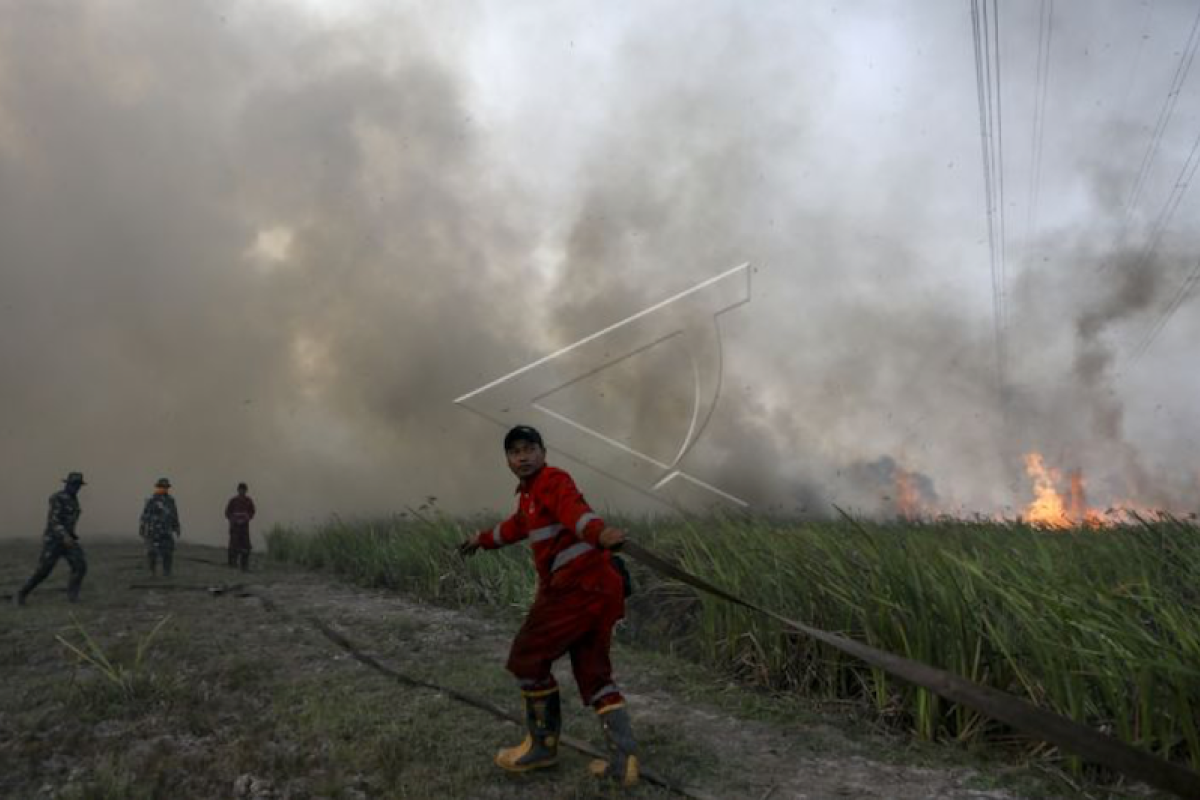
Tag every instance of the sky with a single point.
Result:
(274, 242)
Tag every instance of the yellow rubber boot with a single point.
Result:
(622, 763)
(543, 717)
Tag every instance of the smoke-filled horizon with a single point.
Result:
(272, 243)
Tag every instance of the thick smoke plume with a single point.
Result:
(272, 244)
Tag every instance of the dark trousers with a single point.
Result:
(52, 551)
(152, 557)
(239, 558)
(239, 547)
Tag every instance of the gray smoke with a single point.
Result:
(896, 491)
(273, 244)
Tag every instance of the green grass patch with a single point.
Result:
(1098, 625)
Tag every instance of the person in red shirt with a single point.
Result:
(580, 597)
(239, 511)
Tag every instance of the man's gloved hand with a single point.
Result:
(469, 547)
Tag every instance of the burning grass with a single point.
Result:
(1099, 625)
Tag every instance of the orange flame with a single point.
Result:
(908, 498)
(1077, 509)
(1047, 509)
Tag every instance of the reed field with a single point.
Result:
(1101, 625)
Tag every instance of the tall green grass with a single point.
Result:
(1100, 625)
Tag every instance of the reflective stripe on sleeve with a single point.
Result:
(583, 521)
(570, 554)
(548, 532)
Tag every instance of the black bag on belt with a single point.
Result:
(626, 578)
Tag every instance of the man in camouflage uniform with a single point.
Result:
(60, 540)
(160, 526)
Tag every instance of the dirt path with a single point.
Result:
(749, 758)
(232, 700)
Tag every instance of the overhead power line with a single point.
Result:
(1177, 300)
(1182, 182)
(1045, 35)
(1179, 188)
(1160, 126)
(985, 30)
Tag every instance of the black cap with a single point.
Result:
(75, 477)
(162, 483)
(523, 433)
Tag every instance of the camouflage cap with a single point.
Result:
(75, 477)
(163, 483)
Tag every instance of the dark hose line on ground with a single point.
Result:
(1071, 736)
(1068, 734)
(343, 642)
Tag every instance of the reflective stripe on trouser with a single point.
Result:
(622, 763)
(575, 622)
(602, 692)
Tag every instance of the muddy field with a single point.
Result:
(230, 699)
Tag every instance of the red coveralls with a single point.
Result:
(580, 595)
(239, 511)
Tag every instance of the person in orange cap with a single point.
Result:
(160, 526)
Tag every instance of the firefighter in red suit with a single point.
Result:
(580, 597)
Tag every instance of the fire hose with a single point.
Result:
(1071, 736)
(342, 641)
(468, 699)
(1022, 715)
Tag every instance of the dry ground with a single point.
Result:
(232, 700)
